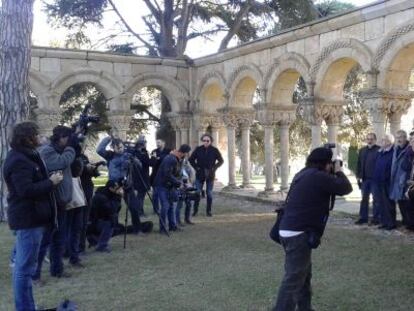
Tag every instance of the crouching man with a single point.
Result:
(106, 204)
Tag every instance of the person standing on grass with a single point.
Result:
(158, 155)
(399, 178)
(365, 171)
(31, 207)
(303, 223)
(381, 179)
(206, 159)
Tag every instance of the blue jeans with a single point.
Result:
(27, 250)
(155, 200)
(209, 194)
(74, 224)
(106, 229)
(54, 239)
(167, 209)
(367, 189)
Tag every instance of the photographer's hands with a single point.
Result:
(56, 178)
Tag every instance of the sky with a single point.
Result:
(45, 35)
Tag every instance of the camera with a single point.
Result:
(95, 172)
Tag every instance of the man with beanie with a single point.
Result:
(58, 156)
(206, 159)
(166, 183)
(303, 223)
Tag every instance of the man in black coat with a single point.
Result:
(158, 154)
(31, 206)
(305, 216)
(206, 159)
(365, 170)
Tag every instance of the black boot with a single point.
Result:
(208, 209)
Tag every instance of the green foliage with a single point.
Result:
(353, 158)
(332, 7)
(126, 48)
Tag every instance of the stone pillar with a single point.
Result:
(184, 136)
(284, 154)
(47, 120)
(333, 137)
(269, 149)
(215, 135)
(200, 132)
(378, 123)
(119, 121)
(316, 135)
(245, 161)
(231, 122)
(177, 138)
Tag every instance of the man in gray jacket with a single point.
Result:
(58, 156)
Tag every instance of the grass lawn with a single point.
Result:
(228, 263)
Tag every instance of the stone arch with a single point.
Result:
(110, 87)
(343, 48)
(282, 78)
(243, 83)
(333, 65)
(175, 92)
(394, 58)
(211, 77)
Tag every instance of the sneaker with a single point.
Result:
(189, 222)
(209, 214)
(373, 223)
(361, 222)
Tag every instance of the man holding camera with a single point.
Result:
(167, 183)
(58, 156)
(365, 171)
(206, 159)
(305, 216)
(31, 206)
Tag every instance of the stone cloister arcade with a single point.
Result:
(254, 82)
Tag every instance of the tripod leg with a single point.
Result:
(126, 220)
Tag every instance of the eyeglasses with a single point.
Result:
(206, 141)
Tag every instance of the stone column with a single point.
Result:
(177, 138)
(378, 123)
(231, 122)
(333, 137)
(284, 154)
(245, 161)
(119, 120)
(47, 120)
(215, 135)
(200, 132)
(184, 136)
(269, 149)
(316, 135)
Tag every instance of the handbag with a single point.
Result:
(78, 197)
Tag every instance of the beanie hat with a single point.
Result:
(59, 132)
(320, 155)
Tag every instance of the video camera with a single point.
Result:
(84, 121)
(188, 193)
(95, 172)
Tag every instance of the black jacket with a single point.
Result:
(160, 155)
(168, 173)
(30, 198)
(105, 205)
(307, 207)
(205, 161)
(86, 178)
(366, 162)
(142, 185)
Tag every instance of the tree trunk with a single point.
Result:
(167, 46)
(16, 23)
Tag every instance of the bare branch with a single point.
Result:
(154, 11)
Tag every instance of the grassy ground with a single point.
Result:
(228, 263)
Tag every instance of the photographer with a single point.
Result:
(166, 184)
(118, 162)
(158, 154)
(106, 204)
(206, 159)
(58, 156)
(305, 216)
(31, 206)
(142, 182)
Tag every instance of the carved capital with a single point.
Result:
(268, 116)
(119, 120)
(181, 120)
(387, 102)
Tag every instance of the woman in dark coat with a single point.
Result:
(30, 206)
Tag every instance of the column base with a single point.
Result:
(266, 193)
(284, 188)
(246, 186)
(230, 187)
